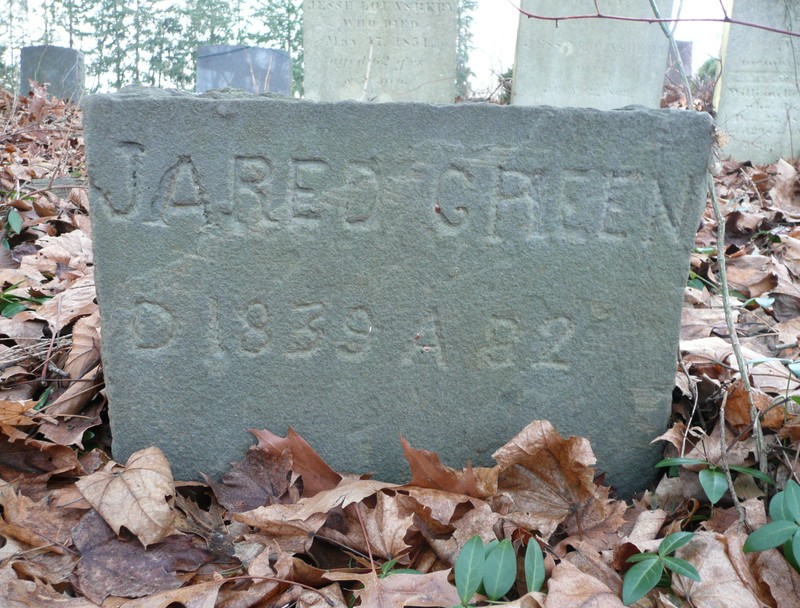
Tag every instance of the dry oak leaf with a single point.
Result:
(113, 567)
(200, 595)
(348, 491)
(282, 524)
(725, 579)
(316, 473)
(259, 479)
(427, 471)
(16, 593)
(137, 498)
(783, 581)
(545, 476)
(737, 408)
(400, 590)
(568, 587)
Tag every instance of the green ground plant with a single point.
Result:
(784, 529)
(712, 478)
(649, 568)
(491, 569)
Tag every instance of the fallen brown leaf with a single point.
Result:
(315, 472)
(545, 476)
(259, 479)
(400, 590)
(137, 498)
(568, 587)
(110, 566)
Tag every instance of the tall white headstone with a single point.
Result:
(593, 63)
(758, 104)
(376, 50)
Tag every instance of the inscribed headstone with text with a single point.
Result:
(362, 271)
(380, 50)
(759, 90)
(591, 63)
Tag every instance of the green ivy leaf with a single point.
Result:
(14, 221)
(714, 483)
(673, 541)
(469, 568)
(534, 566)
(791, 500)
(796, 549)
(769, 536)
(682, 567)
(640, 579)
(9, 310)
(500, 570)
(788, 553)
(776, 508)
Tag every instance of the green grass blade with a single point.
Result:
(640, 579)
(714, 483)
(534, 566)
(753, 473)
(682, 567)
(673, 541)
(678, 462)
(640, 557)
(470, 566)
(770, 535)
(500, 570)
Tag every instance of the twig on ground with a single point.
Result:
(758, 432)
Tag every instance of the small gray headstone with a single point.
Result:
(592, 63)
(61, 69)
(373, 50)
(360, 271)
(758, 107)
(250, 68)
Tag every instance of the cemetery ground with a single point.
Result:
(282, 528)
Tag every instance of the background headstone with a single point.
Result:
(409, 49)
(249, 68)
(60, 68)
(593, 63)
(758, 103)
(673, 75)
(361, 271)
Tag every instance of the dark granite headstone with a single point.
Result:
(361, 271)
(61, 69)
(249, 68)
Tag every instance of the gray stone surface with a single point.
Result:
(758, 104)
(250, 68)
(590, 63)
(408, 50)
(360, 271)
(59, 67)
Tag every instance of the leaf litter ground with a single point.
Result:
(282, 528)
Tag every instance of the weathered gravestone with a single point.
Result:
(361, 271)
(249, 68)
(61, 69)
(758, 104)
(403, 51)
(592, 63)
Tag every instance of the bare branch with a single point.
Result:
(599, 15)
